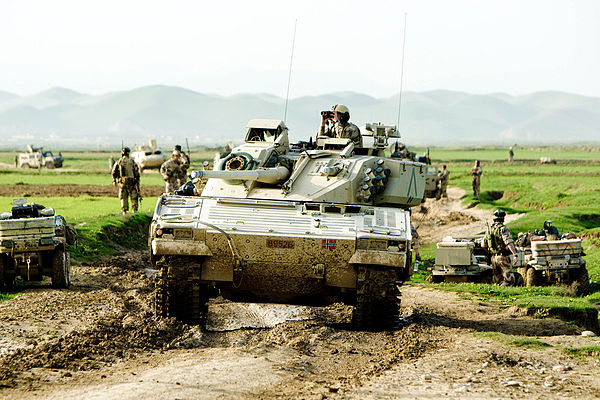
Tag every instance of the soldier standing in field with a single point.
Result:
(476, 171)
(127, 174)
(171, 171)
(511, 154)
(443, 180)
(499, 243)
(337, 124)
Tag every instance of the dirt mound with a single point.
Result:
(22, 190)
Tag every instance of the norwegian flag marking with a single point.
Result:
(328, 244)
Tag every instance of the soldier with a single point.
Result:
(184, 162)
(500, 244)
(511, 154)
(415, 241)
(443, 181)
(338, 125)
(127, 174)
(111, 163)
(476, 171)
(171, 171)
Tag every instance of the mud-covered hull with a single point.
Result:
(279, 251)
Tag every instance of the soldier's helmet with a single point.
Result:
(177, 147)
(125, 151)
(176, 153)
(547, 225)
(341, 108)
(499, 215)
(344, 112)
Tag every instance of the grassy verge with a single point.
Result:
(582, 352)
(105, 236)
(518, 341)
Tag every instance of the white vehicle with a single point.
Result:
(148, 156)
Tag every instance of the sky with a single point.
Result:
(229, 47)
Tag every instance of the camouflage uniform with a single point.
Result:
(171, 172)
(127, 174)
(499, 240)
(476, 172)
(444, 176)
(342, 130)
(184, 165)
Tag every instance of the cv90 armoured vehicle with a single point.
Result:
(36, 157)
(316, 222)
(556, 262)
(148, 156)
(32, 245)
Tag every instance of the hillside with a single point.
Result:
(63, 117)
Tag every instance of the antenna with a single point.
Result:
(401, 75)
(287, 95)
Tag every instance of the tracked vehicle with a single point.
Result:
(309, 223)
(33, 244)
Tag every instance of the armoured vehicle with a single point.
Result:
(310, 223)
(465, 259)
(148, 156)
(555, 262)
(36, 157)
(32, 245)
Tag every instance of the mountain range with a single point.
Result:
(68, 119)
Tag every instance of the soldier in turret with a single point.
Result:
(499, 243)
(126, 173)
(337, 124)
(171, 171)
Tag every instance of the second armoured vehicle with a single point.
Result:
(311, 223)
(148, 156)
(33, 244)
(36, 157)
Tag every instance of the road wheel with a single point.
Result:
(61, 269)
(179, 292)
(25, 165)
(580, 284)
(49, 165)
(377, 299)
(532, 277)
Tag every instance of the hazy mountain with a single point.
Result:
(65, 118)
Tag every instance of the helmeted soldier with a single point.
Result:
(550, 231)
(171, 171)
(476, 171)
(500, 244)
(338, 125)
(184, 163)
(126, 173)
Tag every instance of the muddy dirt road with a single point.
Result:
(99, 340)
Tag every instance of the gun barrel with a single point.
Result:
(266, 175)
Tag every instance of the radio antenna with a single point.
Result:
(287, 95)
(401, 75)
